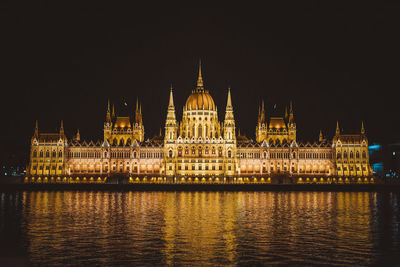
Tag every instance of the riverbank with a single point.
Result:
(202, 187)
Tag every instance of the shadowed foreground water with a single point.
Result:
(111, 228)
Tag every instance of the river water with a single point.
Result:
(200, 228)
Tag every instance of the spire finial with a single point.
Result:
(171, 98)
(200, 85)
(229, 101)
(321, 137)
(108, 106)
(78, 136)
(62, 128)
(337, 128)
(362, 127)
(113, 111)
(36, 128)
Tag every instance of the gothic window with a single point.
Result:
(115, 142)
(186, 151)
(170, 153)
(284, 142)
(265, 154)
(105, 154)
(364, 155)
(193, 168)
(294, 155)
(199, 131)
(229, 154)
(339, 155)
(345, 154)
(59, 154)
(121, 142)
(34, 154)
(213, 150)
(206, 151)
(193, 150)
(47, 154)
(220, 152)
(179, 152)
(128, 142)
(357, 155)
(351, 155)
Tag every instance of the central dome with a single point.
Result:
(200, 99)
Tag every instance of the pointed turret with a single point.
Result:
(321, 137)
(137, 112)
(113, 112)
(78, 136)
(362, 128)
(171, 98)
(108, 116)
(286, 114)
(229, 101)
(337, 128)
(36, 134)
(62, 128)
(229, 123)
(262, 116)
(291, 115)
(200, 84)
(170, 123)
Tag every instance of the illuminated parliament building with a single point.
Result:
(199, 149)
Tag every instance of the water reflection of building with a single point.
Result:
(199, 148)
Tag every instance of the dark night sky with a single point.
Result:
(335, 62)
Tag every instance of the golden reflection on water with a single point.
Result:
(199, 227)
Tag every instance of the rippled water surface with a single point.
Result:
(204, 228)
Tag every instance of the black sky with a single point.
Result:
(335, 62)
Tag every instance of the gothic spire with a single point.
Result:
(36, 129)
(108, 117)
(362, 128)
(229, 101)
(337, 128)
(171, 98)
(62, 128)
(200, 85)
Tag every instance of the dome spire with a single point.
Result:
(200, 85)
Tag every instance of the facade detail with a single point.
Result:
(199, 148)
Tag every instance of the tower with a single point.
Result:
(229, 137)
(170, 137)
(291, 124)
(261, 129)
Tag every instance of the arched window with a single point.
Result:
(345, 154)
(186, 150)
(121, 142)
(339, 155)
(53, 154)
(60, 154)
(229, 154)
(199, 128)
(284, 142)
(193, 150)
(294, 155)
(357, 155)
(128, 142)
(170, 153)
(351, 154)
(115, 141)
(213, 150)
(35, 154)
(265, 154)
(47, 154)
(364, 155)
(179, 152)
